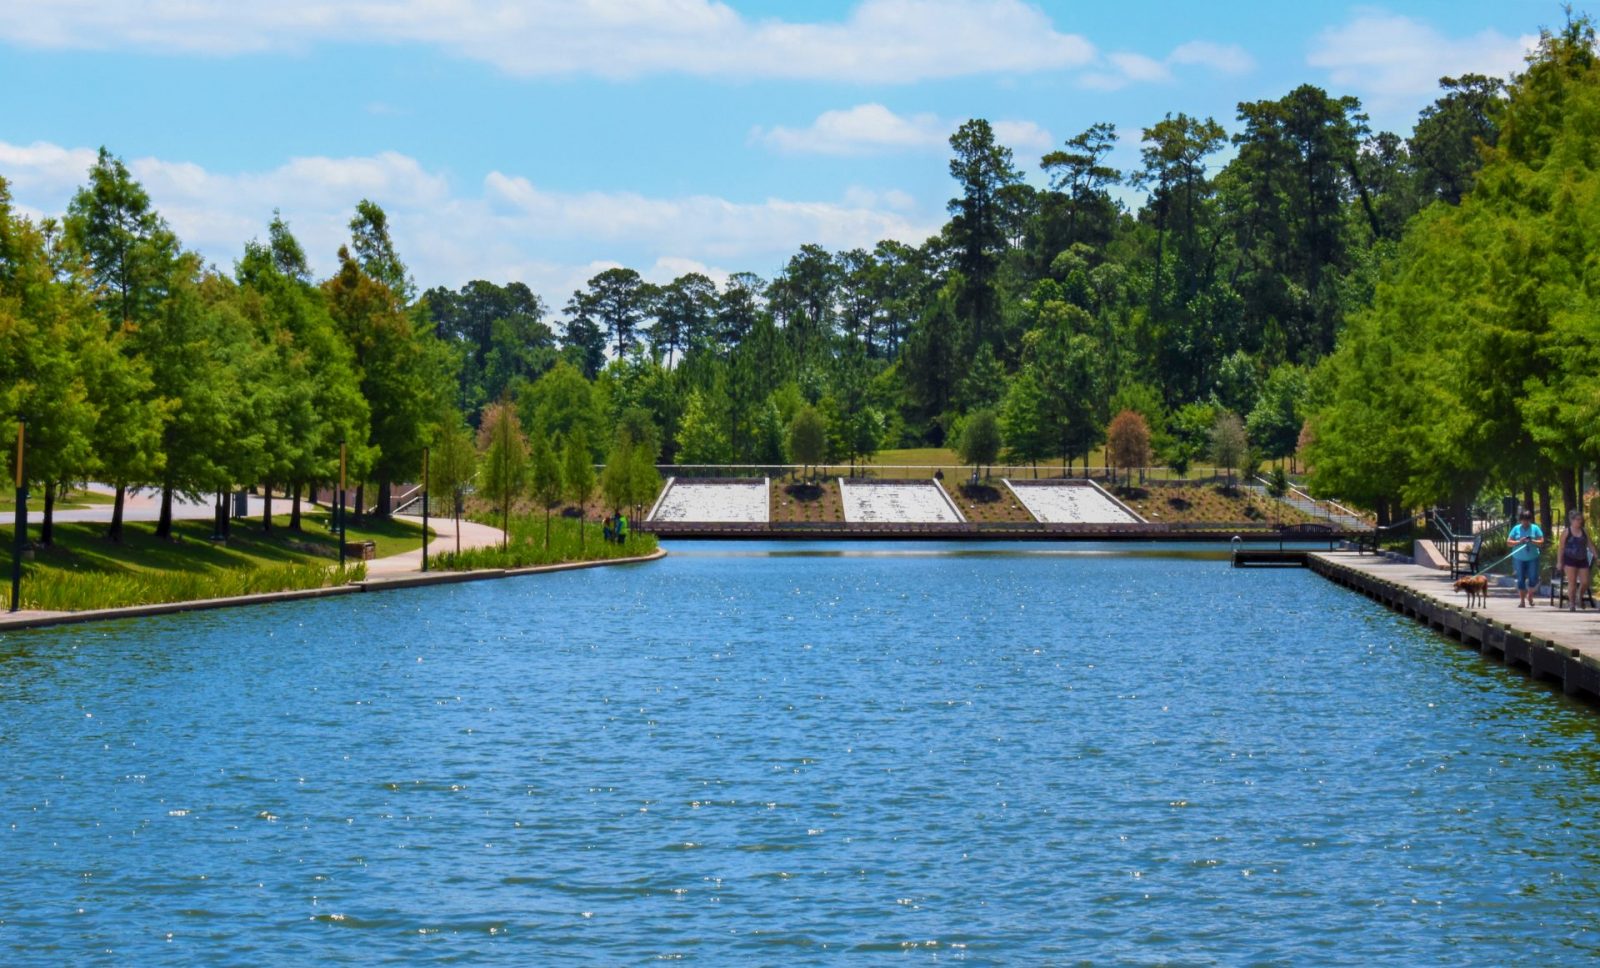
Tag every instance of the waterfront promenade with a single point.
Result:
(1547, 642)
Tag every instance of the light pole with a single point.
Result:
(339, 512)
(22, 522)
(424, 509)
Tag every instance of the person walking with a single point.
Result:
(1577, 551)
(1526, 540)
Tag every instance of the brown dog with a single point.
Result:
(1476, 587)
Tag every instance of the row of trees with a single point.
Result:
(1477, 366)
(134, 363)
(551, 469)
(1050, 304)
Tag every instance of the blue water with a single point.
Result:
(756, 754)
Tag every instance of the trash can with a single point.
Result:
(241, 504)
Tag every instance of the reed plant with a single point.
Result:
(525, 546)
(71, 591)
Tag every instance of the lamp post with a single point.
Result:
(339, 510)
(22, 522)
(424, 509)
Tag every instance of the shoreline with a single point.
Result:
(991, 531)
(1547, 643)
(41, 619)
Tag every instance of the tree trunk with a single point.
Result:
(294, 509)
(164, 524)
(547, 529)
(361, 500)
(1569, 489)
(385, 498)
(266, 509)
(1527, 497)
(1545, 515)
(47, 527)
(115, 531)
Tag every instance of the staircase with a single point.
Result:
(408, 501)
(1330, 511)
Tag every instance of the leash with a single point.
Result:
(1492, 566)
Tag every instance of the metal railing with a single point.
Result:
(1020, 472)
(1301, 501)
(1460, 548)
(1370, 542)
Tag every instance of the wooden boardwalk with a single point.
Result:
(1547, 642)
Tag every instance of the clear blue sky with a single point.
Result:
(543, 140)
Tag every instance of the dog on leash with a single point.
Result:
(1476, 587)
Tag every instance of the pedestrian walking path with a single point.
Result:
(472, 536)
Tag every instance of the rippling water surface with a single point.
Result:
(753, 754)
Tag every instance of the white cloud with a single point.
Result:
(874, 129)
(1391, 59)
(1117, 70)
(879, 40)
(43, 169)
(1222, 58)
(505, 228)
(1137, 67)
(1023, 137)
(863, 129)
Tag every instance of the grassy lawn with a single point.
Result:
(527, 544)
(72, 502)
(393, 536)
(918, 458)
(83, 569)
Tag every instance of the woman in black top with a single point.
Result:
(1577, 550)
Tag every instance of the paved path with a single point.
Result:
(472, 536)
(146, 506)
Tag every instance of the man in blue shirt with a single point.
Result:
(1526, 540)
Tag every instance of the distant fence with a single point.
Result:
(1206, 531)
(950, 472)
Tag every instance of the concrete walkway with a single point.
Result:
(472, 536)
(145, 505)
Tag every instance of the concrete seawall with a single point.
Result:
(1547, 643)
(40, 619)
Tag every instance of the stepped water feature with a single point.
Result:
(732, 501)
(897, 502)
(1071, 502)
